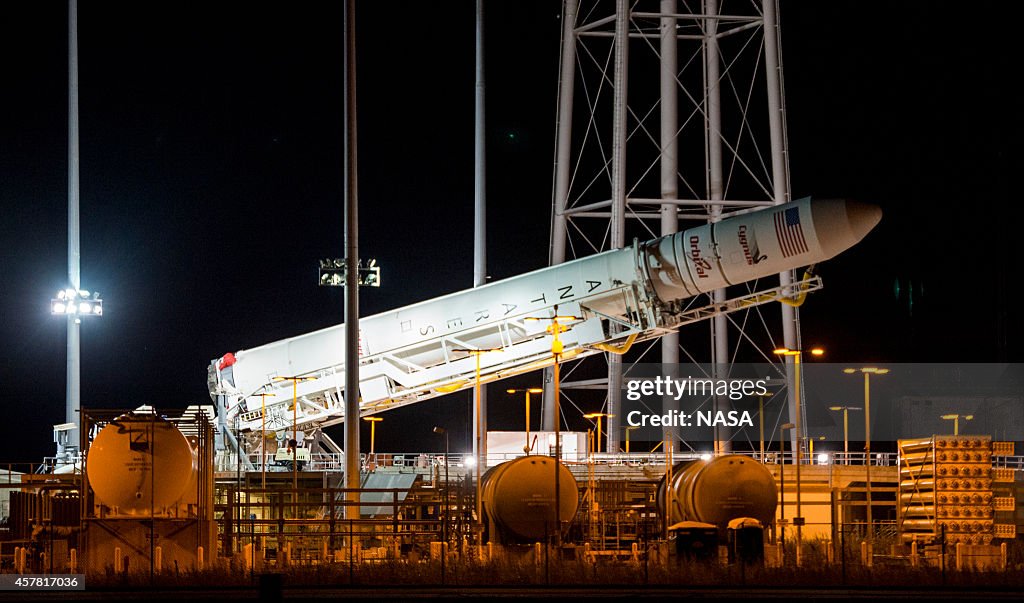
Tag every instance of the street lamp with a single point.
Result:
(373, 434)
(295, 426)
(263, 438)
(846, 427)
(528, 391)
(479, 428)
(598, 416)
(798, 521)
(760, 415)
(956, 421)
(810, 446)
(782, 486)
(867, 371)
(629, 429)
(556, 329)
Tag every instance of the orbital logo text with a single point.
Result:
(701, 265)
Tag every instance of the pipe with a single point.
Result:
(617, 349)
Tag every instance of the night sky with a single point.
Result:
(211, 182)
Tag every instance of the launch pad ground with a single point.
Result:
(878, 585)
(646, 573)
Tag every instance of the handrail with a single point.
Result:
(323, 461)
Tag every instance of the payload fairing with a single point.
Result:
(635, 293)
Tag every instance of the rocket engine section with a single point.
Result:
(519, 499)
(719, 491)
(140, 465)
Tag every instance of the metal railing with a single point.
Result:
(322, 461)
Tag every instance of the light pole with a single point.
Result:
(73, 400)
(798, 521)
(479, 428)
(531, 390)
(598, 416)
(629, 429)
(74, 303)
(295, 428)
(447, 507)
(760, 415)
(782, 486)
(846, 427)
(350, 272)
(373, 434)
(810, 446)
(956, 421)
(263, 438)
(556, 329)
(867, 371)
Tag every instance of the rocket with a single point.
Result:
(410, 354)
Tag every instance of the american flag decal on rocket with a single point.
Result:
(790, 232)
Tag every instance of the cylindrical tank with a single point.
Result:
(129, 453)
(720, 490)
(519, 498)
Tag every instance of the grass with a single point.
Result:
(524, 572)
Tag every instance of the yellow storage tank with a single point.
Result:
(140, 465)
(519, 499)
(720, 490)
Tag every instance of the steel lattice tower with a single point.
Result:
(669, 111)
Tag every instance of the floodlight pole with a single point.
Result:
(352, 447)
(480, 203)
(72, 300)
(74, 368)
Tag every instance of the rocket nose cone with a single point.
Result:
(862, 217)
(841, 224)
